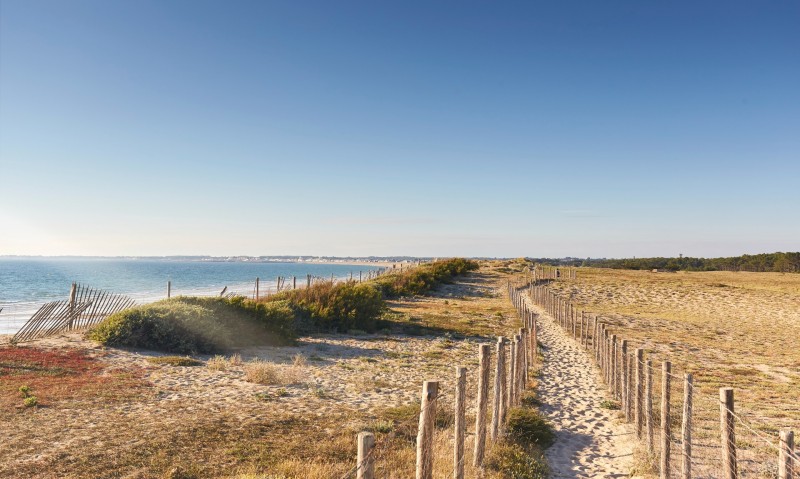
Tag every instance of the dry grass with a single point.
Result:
(270, 374)
(224, 363)
(729, 329)
(304, 431)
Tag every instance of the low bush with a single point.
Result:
(222, 363)
(270, 374)
(512, 461)
(424, 278)
(262, 372)
(197, 325)
(336, 307)
(528, 426)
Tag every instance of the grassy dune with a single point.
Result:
(264, 412)
(739, 330)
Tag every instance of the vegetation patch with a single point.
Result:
(44, 377)
(189, 325)
(357, 308)
(512, 461)
(336, 306)
(528, 426)
(425, 277)
(607, 404)
(175, 361)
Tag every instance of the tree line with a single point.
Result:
(766, 262)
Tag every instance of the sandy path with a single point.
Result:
(591, 442)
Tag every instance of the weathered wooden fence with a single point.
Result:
(512, 360)
(84, 308)
(87, 306)
(687, 429)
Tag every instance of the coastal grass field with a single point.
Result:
(277, 412)
(729, 329)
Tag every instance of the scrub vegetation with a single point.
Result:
(189, 325)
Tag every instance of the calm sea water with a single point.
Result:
(26, 284)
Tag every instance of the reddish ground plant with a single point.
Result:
(57, 375)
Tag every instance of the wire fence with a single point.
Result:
(688, 428)
(484, 394)
(28, 321)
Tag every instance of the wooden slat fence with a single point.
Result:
(85, 307)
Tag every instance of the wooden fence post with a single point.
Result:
(639, 392)
(631, 384)
(484, 352)
(73, 292)
(365, 467)
(499, 381)
(648, 406)
(686, 428)
(666, 371)
(614, 374)
(258, 286)
(427, 417)
(786, 448)
(625, 383)
(460, 422)
(728, 435)
(609, 362)
(523, 363)
(535, 339)
(523, 373)
(169, 289)
(512, 373)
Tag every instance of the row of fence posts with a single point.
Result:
(281, 282)
(514, 357)
(542, 272)
(629, 379)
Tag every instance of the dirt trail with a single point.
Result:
(591, 442)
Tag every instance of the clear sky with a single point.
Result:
(596, 128)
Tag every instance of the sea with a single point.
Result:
(28, 283)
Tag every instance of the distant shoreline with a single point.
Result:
(364, 261)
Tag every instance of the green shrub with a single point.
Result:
(528, 426)
(197, 325)
(341, 307)
(512, 461)
(424, 278)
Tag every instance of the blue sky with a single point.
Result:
(604, 129)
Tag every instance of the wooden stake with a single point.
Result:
(498, 411)
(666, 370)
(427, 417)
(686, 428)
(648, 406)
(484, 358)
(728, 435)
(614, 375)
(786, 448)
(366, 463)
(625, 381)
(512, 376)
(639, 392)
(460, 422)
